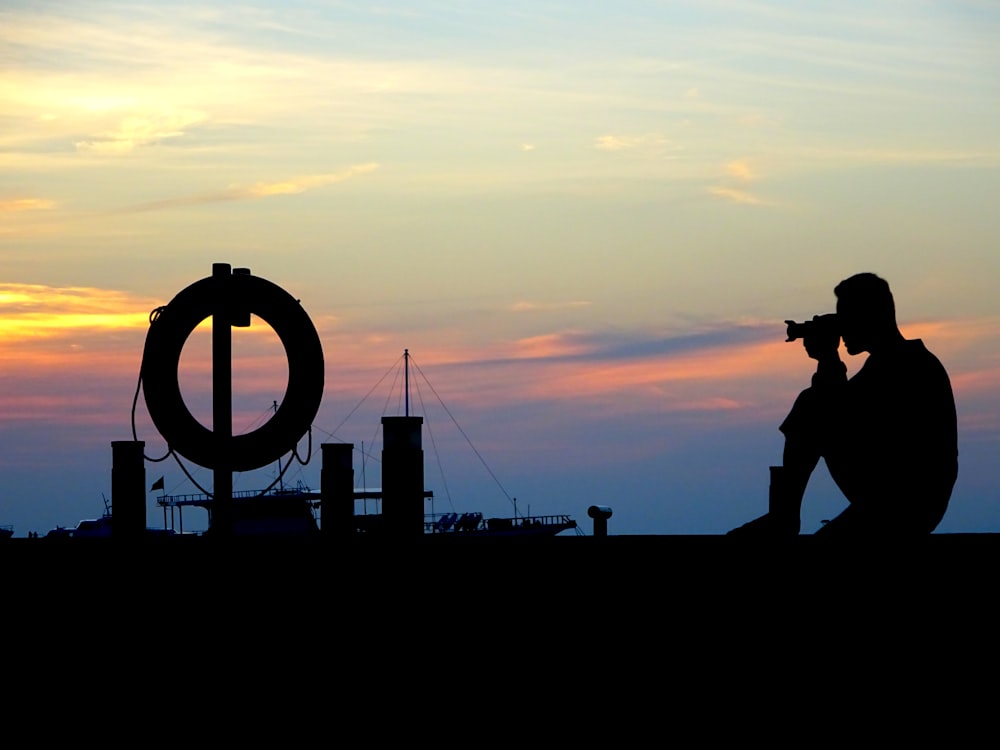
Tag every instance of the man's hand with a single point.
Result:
(822, 346)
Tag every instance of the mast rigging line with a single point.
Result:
(392, 368)
(430, 432)
(395, 368)
(467, 439)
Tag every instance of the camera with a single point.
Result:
(821, 325)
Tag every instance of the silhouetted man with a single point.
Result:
(888, 435)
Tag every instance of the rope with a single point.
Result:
(365, 398)
(459, 427)
(153, 317)
(437, 454)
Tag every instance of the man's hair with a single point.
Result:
(869, 293)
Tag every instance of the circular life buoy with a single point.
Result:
(161, 358)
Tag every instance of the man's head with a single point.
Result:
(866, 312)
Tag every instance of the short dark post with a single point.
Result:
(128, 489)
(336, 481)
(600, 514)
(403, 476)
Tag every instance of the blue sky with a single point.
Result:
(586, 222)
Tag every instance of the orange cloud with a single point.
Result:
(292, 186)
(549, 345)
(564, 367)
(626, 142)
(736, 196)
(25, 204)
(671, 374)
(739, 379)
(740, 170)
(30, 311)
(71, 356)
(738, 173)
(141, 130)
(91, 342)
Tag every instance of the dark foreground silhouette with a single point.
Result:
(888, 435)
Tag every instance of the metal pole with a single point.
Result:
(222, 399)
(128, 489)
(337, 489)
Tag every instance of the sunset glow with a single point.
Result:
(588, 227)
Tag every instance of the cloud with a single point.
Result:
(34, 311)
(626, 142)
(291, 186)
(547, 346)
(142, 130)
(25, 204)
(740, 170)
(738, 175)
(735, 195)
(526, 306)
(71, 355)
(302, 184)
(738, 369)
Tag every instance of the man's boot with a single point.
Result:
(784, 499)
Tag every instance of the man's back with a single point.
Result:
(896, 455)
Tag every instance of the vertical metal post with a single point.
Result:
(403, 476)
(128, 489)
(222, 400)
(337, 489)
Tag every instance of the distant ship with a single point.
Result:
(291, 511)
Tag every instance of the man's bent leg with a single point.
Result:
(788, 482)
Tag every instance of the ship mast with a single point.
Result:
(406, 377)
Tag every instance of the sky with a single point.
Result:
(586, 221)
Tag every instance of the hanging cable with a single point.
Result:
(459, 427)
(437, 453)
(154, 314)
(365, 398)
(191, 479)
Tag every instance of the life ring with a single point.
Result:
(161, 358)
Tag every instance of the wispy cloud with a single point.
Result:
(735, 368)
(734, 188)
(141, 130)
(628, 142)
(32, 311)
(735, 195)
(552, 345)
(740, 170)
(529, 306)
(71, 355)
(291, 186)
(16, 205)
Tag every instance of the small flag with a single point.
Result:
(157, 485)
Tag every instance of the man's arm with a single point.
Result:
(824, 347)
